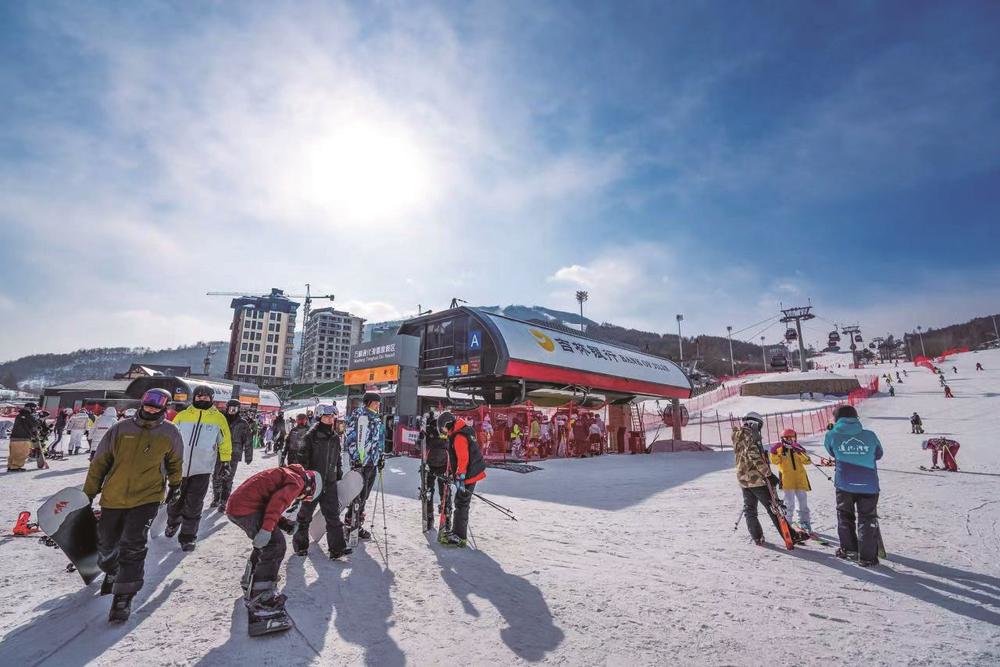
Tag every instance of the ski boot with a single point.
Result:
(363, 534)
(453, 540)
(337, 555)
(300, 547)
(187, 546)
(759, 541)
(108, 584)
(121, 608)
(846, 555)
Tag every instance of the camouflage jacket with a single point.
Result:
(751, 468)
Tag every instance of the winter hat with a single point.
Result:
(845, 412)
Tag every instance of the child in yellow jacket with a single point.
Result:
(791, 459)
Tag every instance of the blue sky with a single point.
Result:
(712, 158)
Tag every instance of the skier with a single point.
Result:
(468, 469)
(321, 453)
(364, 441)
(948, 450)
(293, 443)
(222, 476)
(753, 474)
(436, 474)
(22, 437)
(979, 366)
(77, 429)
(892, 390)
(54, 451)
(905, 374)
(947, 392)
(791, 459)
(954, 369)
(916, 423)
(278, 432)
(898, 379)
(855, 451)
(133, 463)
(101, 426)
(206, 438)
(256, 506)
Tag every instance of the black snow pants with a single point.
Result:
(463, 499)
(752, 496)
(432, 474)
(368, 473)
(221, 488)
(121, 544)
(329, 506)
(857, 523)
(269, 561)
(186, 513)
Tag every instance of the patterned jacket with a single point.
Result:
(364, 438)
(751, 468)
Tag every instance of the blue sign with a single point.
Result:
(475, 340)
(452, 371)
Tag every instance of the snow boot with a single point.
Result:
(170, 531)
(759, 541)
(266, 611)
(300, 547)
(215, 502)
(121, 608)
(337, 555)
(364, 534)
(187, 546)
(108, 584)
(453, 540)
(868, 563)
(846, 555)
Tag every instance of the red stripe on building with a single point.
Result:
(596, 381)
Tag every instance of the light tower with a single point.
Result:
(581, 296)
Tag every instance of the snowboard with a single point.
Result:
(348, 489)
(159, 522)
(68, 520)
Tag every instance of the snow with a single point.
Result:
(613, 560)
(794, 376)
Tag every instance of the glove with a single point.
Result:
(248, 457)
(459, 483)
(90, 498)
(263, 537)
(287, 525)
(224, 470)
(775, 482)
(173, 494)
(381, 463)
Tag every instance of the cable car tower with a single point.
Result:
(796, 315)
(853, 334)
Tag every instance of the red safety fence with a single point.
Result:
(702, 401)
(715, 430)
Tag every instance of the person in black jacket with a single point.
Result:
(468, 468)
(436, 469)
(222, 477)
(62, 417)
(320, 451)
(24, 433)
(277, 433)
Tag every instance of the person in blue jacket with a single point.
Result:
(855, 451)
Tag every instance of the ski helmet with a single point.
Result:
(156, 398)
(754, 419)
(789, 433)
(314, 484)
(326, 409)
(232, 403)
(445, 421)
(370, 397)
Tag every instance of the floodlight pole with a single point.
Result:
(680, 341)
(732, 362)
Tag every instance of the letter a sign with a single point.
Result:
(475, 340)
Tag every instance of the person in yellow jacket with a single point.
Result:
(206, 436)
(792, 459)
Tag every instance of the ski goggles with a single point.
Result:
(156, 399)
(326, 410)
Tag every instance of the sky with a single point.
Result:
(705, 158)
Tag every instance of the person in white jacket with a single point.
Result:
(77, 425)
(104, 423)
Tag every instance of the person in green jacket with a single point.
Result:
(134, 462)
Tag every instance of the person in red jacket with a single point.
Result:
(257, 507)
(468, 468)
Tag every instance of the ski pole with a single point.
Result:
(385, 527)
(505, 510)
(739, 518)
(828, 478)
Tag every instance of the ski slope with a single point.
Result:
(614, 560)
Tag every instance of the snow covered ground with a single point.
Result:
(614, 560)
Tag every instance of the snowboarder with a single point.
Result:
(206, 439)
(979, 366)
(293, 442)
(321, 453)
(791, 459)
(256, 506)
(916, 423)
(947, 392)
(22, 437)
(365, 442)
(468, 469)
(753, 473)
(948, 450)
(855, 451)
(77, 429)
(222, 476)
(54, 451)
(435, 475)
(103, 424)
(133, 463)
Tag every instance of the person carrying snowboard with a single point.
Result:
(435, 474)
(206, 439)
(468, 469)
(256, 506)
(222, 476)
(754, 474)
(855, 451)
(293, 441)
(916, 424)
(365, 442)
(321, 454)
(135, 461)
(792, 459)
